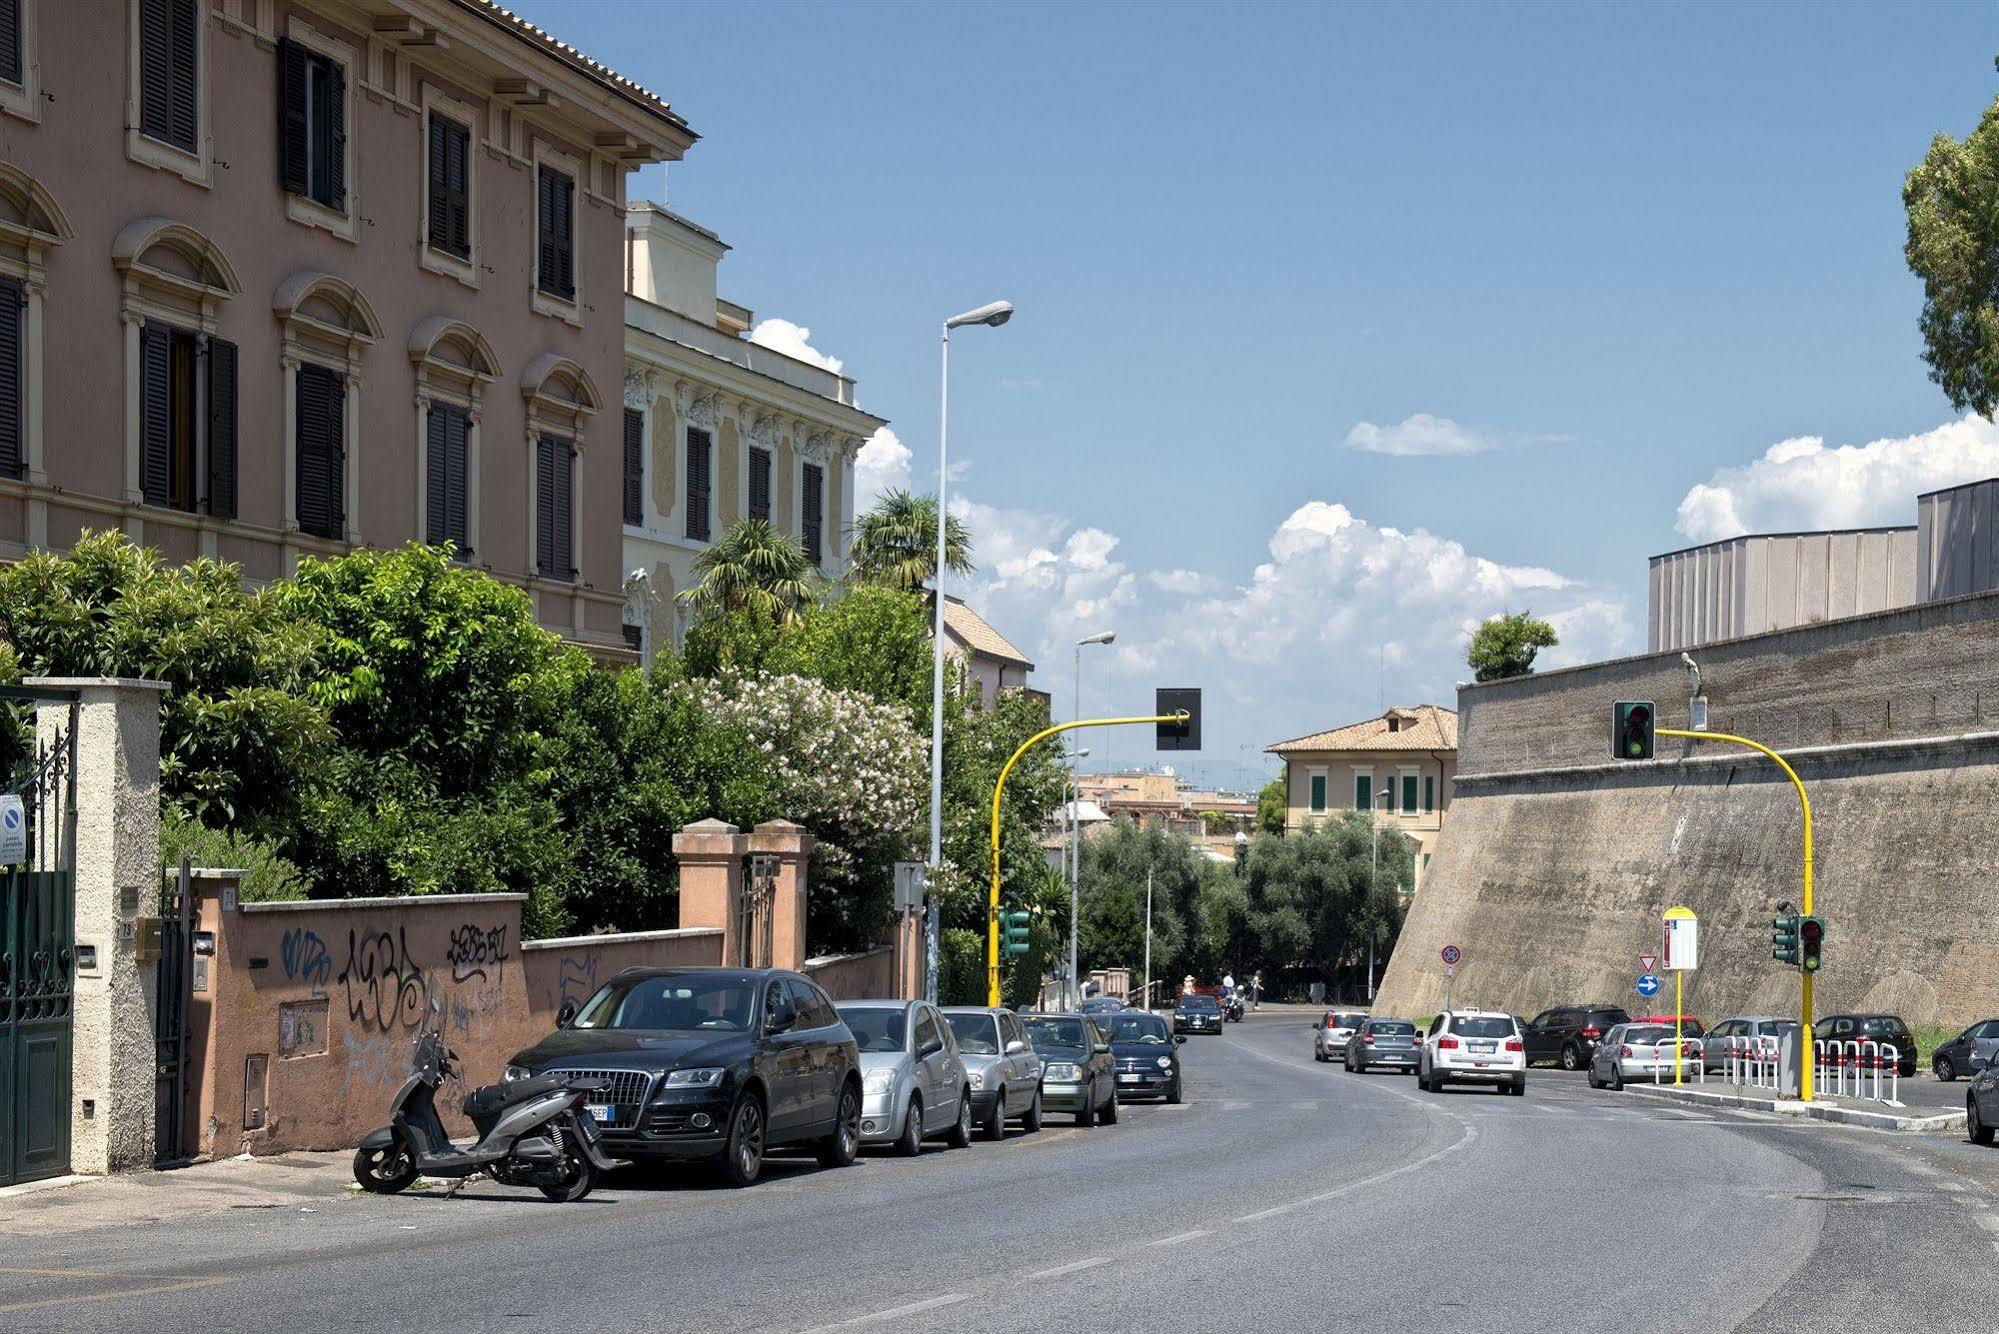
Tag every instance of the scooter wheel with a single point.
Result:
(384, 1171)
(580, 1181)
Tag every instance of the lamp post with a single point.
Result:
(1076, 837)
(992, 316)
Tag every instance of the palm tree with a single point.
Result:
(895, 543)
(753, 568)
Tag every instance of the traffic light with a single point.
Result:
(1784, 938)
(1631, 726)
(1186, 735)
(1013, 932)
(1811, 943)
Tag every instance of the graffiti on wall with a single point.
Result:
(384, 988)
(380, 1062)
(305, 959)
(576, 979)
(474, 949)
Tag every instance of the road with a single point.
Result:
(1247, 1207)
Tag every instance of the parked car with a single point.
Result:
(1639, 1051)
(1981, 1106)
(1690, 1027)
(1968, 1052)
(1197, 1012)
(1147, 1056)
(1762, 1030)
(1330, 1034)
(1103, 1005)
(1568, 1034)
(914, 1080)
(1077, 1072)
(1390, 1042)
(1005, 1073)
(1473, 1047)
(1886, 1029)
(720, 1065)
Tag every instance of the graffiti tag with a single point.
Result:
(576, 979)
(305, 959)
(384, 988)
(473, 947)
(378, 1061)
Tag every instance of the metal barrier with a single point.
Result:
(1844, 1068)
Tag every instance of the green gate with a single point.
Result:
(38, 951)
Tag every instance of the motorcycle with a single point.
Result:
(1232, 1007)
(530, 1133)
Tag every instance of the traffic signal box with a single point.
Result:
(1631, 729)
(1811, 942)
(1784, 939)
(1798, 941)
(1014, 932)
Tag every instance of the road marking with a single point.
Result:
(1184, 1236)
(1471, 1134)
(1234, 1105)
(1305, 1106)
(876, 1318)
(1060, 1270)
(1051, 1137)
(176, 1285)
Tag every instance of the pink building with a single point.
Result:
(282, 278)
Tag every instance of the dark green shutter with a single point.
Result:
(544, 506)
(322, 412)
(331, 149)
(155, 416)
(1318, 792)
(565, 226)
(635, 466)
(457, 461)
(10, 40)
(565, 511)
(760, 484)
(13, 401)
(545, 263)
(1429, 794)
(555, 234)
(437, 467)
(698, 445)
(184, 29)
(814, 510)
(221, 428)
(450, 211)
(294, 123)
(156, 69)
(1363, 793)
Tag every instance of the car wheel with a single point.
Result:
(1572, 1059)
(743, 1156)
(910, 1142)
(1173, 1093)
(1032, 1121)
(995, 1126)
(961, 1129)
(840, 1148)
(1616, 1078)
(1087, 1114)
(385, 1171)
(1974, 1125)
(1945, 1071)
(1110, 1109)
(1518, 1088)
(1594, 1082)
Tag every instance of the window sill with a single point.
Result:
(19, 100)
(566, 309)
(312, 213)
(194, 168)
(448, 265)
(664, 538)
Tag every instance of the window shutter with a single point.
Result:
(322, 411)
(814, 511)
(545, 261)
(155, 417)
(221, 428)
(332, 146)
(12, 403)
(10, 40)
(760, 484)
(294, 134)
(565, 224)
(697, 484)
(184, 31)
(457, 459)
(437, 476)
(438, 231)
(458, 182)
(449, 212)
(635, 466)
(565, 511)
(155, 69)
(544, 506)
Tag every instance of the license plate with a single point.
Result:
(601, 1111)
(1482, 1046)
(1130, 1079)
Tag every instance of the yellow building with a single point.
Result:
(1400, 765)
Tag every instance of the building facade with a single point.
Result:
(1402, 766)
(299, 276)
(716, 428)
(991, 662)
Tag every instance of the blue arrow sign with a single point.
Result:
(1648, 984)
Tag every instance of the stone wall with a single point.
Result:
(1559, 861)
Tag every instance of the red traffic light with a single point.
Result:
(1811, 930)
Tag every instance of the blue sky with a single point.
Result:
(1643, 264)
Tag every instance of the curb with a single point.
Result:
(1942, 1123)
(45, 1184)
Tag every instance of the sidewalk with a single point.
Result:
(1920, 1120)
(285, 1181)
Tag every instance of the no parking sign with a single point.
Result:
(13, 831)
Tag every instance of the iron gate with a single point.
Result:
(38, 952)
(754, 925)
(174, 997)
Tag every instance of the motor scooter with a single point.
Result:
(1232, 1007)
(529, 1131)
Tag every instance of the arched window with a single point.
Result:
(454, 364)
(30, 223)
(560, 399)
(328, 324)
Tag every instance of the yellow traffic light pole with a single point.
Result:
(992, 904)
(1805, 977)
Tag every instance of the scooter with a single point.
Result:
(529, 1131)
(1232, 1008)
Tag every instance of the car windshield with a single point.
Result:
(1147, 1028)
(1198, 1003)
(1394, 1028)
(1482, 1026)
(875, 1028)
(977, 1034)
(1055, 1033)
(683, 1001)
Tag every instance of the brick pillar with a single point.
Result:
(792, 846)
(117, 883)
(710, 853)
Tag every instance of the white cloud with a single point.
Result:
(1800, 483)
(1418, 433)
(881, 465)
(1185, 583)
(794, 340)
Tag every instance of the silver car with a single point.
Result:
(1005, 1073)
(1639, 1051)
(913, 1081)
(1744, 1032)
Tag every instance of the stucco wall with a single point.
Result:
(1558, 861)
(870, 976)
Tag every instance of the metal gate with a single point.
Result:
(174, 997)
(753, 925)
(38, 951)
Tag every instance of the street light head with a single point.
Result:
(1103, 637)
(994, 315)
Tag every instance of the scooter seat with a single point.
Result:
(496, 1098)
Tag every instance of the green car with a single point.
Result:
(1078, 1074)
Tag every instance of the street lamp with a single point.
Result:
(1076, 836)
(992, 316)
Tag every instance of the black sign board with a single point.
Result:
(1179, 736)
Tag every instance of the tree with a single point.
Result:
(1504, 646)
(754, 568)
(1272, 807)
(895, 543)
(1952, 200)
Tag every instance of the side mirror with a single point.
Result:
(928, 1049)
(566, 1016)
(1015, 1047)
(1179, 1039)
(1103, 1047)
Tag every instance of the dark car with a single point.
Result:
(1568, 1034)
(1968, 1052)
(1147, 1056)
(1077, 1073)
(1197, 1012)
(1887, 1030)
(1103, 1005)
(1388, 1042)
(717, 1065)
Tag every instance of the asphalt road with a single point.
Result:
(1284, 1194)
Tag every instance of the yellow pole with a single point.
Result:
(1679, 1019)
(992, 902)
(1804, 804)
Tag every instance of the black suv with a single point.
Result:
(1886, 1029)
(711, 1064)
(1568, 1034)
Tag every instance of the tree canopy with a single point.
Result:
(1505, 646)
(895, 543)
(1952, 201)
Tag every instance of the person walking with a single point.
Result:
(1256, 990)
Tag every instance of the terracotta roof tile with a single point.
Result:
(1425, 727)
(597, 69)
(972, 630)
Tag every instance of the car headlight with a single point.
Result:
(879, 1081)
(1166, 1063)
(514, 1072)
(694, 1079)
(1062, 1072)
(976, 1078)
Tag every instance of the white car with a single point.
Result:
(1473, 1047)
(1330, 1034)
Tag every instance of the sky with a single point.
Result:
(1339, 328)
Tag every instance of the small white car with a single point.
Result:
(1330, 1034)
(1639, 1051)
(1473, 1047)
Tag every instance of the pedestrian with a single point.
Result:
(1256, 990)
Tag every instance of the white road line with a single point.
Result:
(1471, 1134)
(1305, 1106)
(1184, 1236)
(1060, 1270)
(913, 1308)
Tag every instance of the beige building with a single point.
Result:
(1400, 765)
(717, 428)
(287, 277)
(992, 663)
